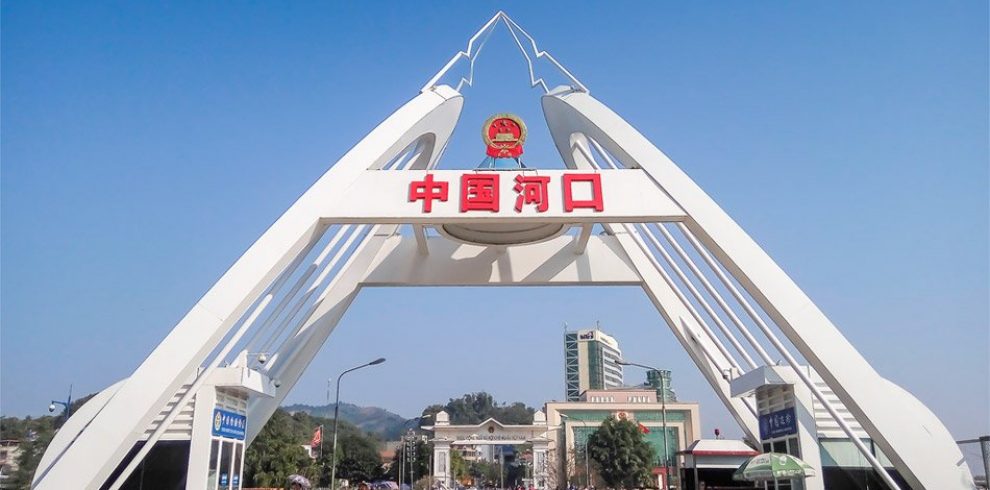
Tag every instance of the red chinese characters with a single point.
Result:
(595, 202)
(427, 190)
(532, 190)
(479, 192)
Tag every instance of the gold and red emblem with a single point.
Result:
(504, 135)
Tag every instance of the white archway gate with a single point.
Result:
(490, 432)
(377, 218)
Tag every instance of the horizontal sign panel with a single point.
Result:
(229, 424)
(450, 196)
(778, 424)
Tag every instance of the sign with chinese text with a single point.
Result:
(480, 191)
(777, 424)
(468, 196)
(229, 424)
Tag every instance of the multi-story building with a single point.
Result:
(668, 426)
(590, 362)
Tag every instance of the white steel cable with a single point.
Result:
(634, 234)
(653, 260)
(350, 258)
(309, 313)
(714, 293)
(266, 347)
(698, 296)
(603, 153)
(645, 249)
(313, 267)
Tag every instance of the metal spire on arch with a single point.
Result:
(477, 42)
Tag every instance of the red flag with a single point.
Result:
(642, 428)
(317, 437)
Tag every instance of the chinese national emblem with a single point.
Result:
(504, 135)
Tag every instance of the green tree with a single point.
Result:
(622, 456)
(34, 434)
(358, 458)
(458, 466)
(277, 453)
(475, 408)
(38, 433)
(485, 473)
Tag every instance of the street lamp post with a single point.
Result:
(336, 413)
(663, 414)
(67, 405)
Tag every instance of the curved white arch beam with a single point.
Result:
(706, 354)
(72, 427)
(112, 432)
(915, 441)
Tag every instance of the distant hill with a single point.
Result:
(371, 419)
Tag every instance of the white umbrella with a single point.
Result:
(301, 480)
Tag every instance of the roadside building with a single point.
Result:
(10, 450)
(668, 426)
(710, 463)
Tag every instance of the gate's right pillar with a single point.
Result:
(787, 417)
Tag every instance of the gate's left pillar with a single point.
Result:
(541, 466)
(541, 452)
(442, 474)
(216, 452)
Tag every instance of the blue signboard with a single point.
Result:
(777, 424)
(229, 424)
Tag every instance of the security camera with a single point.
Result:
(51, 407)
(277, 383)
(262, 358)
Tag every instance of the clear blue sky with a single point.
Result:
(146, 145)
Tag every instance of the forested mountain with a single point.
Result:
(370, 419)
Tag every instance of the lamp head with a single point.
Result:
(51, 407)
(262, 358)
(377, 361)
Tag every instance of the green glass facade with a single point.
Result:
(655, 437)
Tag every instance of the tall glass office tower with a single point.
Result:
(590, 362)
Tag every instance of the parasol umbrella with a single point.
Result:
(301, 480)
(772, 467)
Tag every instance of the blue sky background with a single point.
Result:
(146, 145)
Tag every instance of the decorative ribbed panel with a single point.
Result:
(828, 428)
(181, 427)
